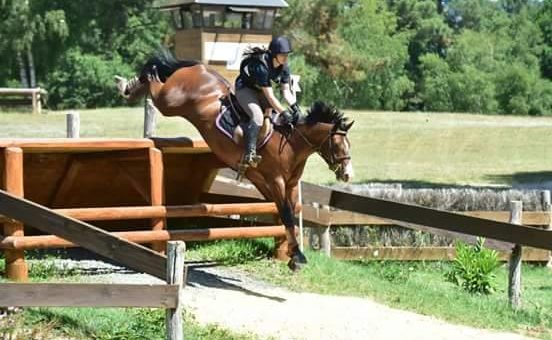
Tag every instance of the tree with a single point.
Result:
(24, 28)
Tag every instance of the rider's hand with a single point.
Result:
(287, 116)
(296, 110)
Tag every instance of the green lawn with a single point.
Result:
(415, 148)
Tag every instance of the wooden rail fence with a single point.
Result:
(167, 296)
(34, 93)
(316, 211)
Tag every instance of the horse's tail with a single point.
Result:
(165, 64)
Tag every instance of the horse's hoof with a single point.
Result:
(295, 266)
(297, 261)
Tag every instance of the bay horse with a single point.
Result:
(197, 93)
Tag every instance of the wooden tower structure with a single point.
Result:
(217, 32)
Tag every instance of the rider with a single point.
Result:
(254, 92)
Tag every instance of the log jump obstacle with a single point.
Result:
(130, 187)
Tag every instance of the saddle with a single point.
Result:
(232, 121)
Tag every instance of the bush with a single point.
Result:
(85, 81)
(473, 268)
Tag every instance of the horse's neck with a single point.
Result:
(308, 139)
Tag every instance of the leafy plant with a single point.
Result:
(48, 268)
(394, 272)
(473, 268)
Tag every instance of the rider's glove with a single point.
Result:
(287, 116)
(296, 110)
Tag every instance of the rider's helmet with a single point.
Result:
(280, 45)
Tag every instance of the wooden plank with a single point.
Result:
(502, 231)
(147, 236)
(20, 91)
(87, 295)
(341, 217)
(76, 145)
(422, 253)
(94, 239)
(176, 211)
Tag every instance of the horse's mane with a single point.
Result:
(321, 112)
(166, 64)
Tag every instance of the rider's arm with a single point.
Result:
(288, 96)
(272, 100)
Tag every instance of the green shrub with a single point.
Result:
(473, 268)
(85, 81)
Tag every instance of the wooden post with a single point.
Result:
(514, 277)
(16, 268)
(73, 124)
(175, 276)
(547, 207)
(38, 101)
(325, 238)
(157, 193)
(149, 118)
(35, 106)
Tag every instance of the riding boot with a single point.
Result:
(250, 158)
(251, 134)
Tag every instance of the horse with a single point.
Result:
(197, 93)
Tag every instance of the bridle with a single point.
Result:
(333, 161)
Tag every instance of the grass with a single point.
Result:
(413, 148)
(105, 324)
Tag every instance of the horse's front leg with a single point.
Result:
(286, 200)
(298, 259)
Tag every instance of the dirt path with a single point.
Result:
(231, 299)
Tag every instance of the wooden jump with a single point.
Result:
(92, 179)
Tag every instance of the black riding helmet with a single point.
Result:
(280, 45)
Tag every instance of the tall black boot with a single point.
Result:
(252, 132)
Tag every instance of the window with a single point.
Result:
(234, 20)
(269, 19)
(258, 20)
(196, 16)
(186, 17)
(213, 16)
(176, 20)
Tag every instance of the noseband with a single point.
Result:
(333, 162)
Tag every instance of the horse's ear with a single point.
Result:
(348, 126)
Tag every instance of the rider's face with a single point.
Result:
(282, 58)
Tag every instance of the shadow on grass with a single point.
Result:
(525, 180)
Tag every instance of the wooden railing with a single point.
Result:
(34, 93)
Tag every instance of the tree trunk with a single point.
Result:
(32, 74)
(22, 71)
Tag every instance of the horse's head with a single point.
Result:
(335, 147)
